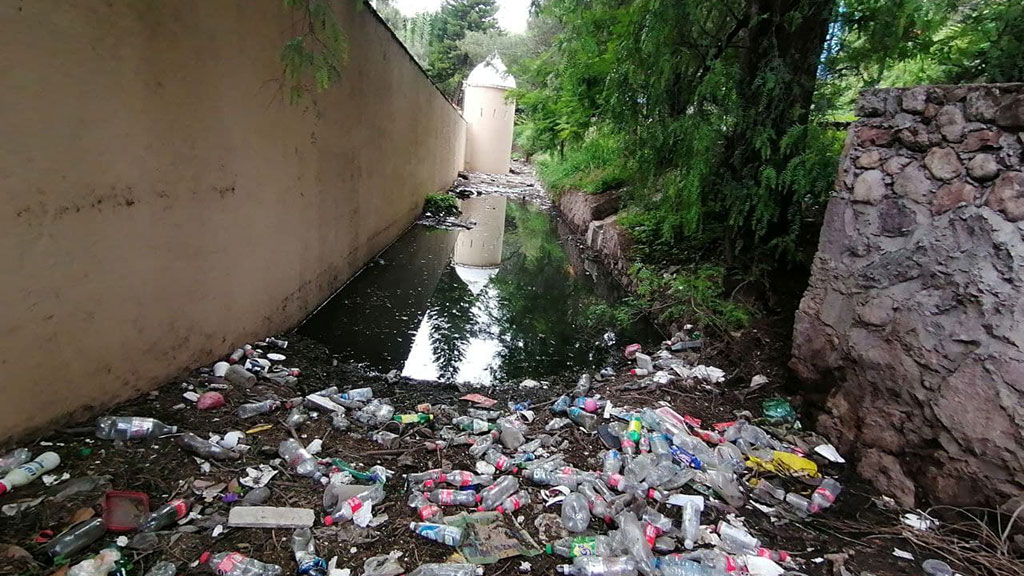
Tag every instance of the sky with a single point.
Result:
(512, 14)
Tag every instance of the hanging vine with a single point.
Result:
(313, 59)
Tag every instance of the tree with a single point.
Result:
(449, 65)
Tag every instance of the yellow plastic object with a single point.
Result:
(785, 464)
(258, 429)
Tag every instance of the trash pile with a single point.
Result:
(586, 483)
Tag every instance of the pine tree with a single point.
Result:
(449, 65)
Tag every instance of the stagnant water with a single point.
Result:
(498, 303)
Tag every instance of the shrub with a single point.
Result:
(444, 205)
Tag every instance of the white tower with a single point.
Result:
(490, 117)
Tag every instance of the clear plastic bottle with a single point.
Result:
(565, 476)
(297, 417)
(767, 493)
(76, 538)
(561, 405)
(496, 493)
(483, 414)
(575, 512)
(729, 457)
(481, 445)
(165, 515)
(472, 425)
(661, 474)
(448, 535)
(736, 539)
(694, 446)
(611, 463)
(257, 408)
(425, 509)
(713, 558)
(510, 434)
(374, 414)
(433, 474)
(583, 419)
(463, 478)
(726, 485)
(514, 502)
(452, 497)
(638, 469)
(798, 503)
(598, 504)
(500, 462)
(661, 448)
(599, 566)
(447, 569)
(358, 394)
(623, 484)
(675, 565)
(345, 510)
(130, 428)
(205, 448)
(574, 546)
(582, 385)
(631, 538)
(236, 564)
(163, 568)
(239, 376)
(304, 549)
(692, 508)
(29, 471)
(14, 459)
(339, 422)
(299, 459)
(824, 495)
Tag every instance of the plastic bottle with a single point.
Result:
(640, 467)
(737, 540)
(297, 417)
(933, 567)
(768, 493)
(599, 566)
(481, 445)
(257, 408)
(661, 448)
(496, 493)
(514, 502)
(447, 569)
(165, 515)
(345, 510)
(29, 471)
(510, 434)
(99, 565)
(76, 538)
(483, 414)
(824, 495)
(472, 425)
(574, 546)
(425, 509)
(374, 414)
(694, 446)
(631, 538)
(598, 504)
(692, 508)
(14, 459)
(130, 428)
(205, 448)
(163, 568)
(500, 462)
(686, 458)
(413, 418)
(623, 484)
(712, 558)
(575, 512)
(612, 462)
(452, 497)
(561, 405)
(583, 419)
(236, 564)
(463, 478)
(448, 535)
(798, 503)
(236, 356)
(299, 459)
(239, 376)
(661, 474)
(561, 477)
(676, 565)
(425, 476)
(339, 422)
(304, 549)
(726, 485)
(358, 394)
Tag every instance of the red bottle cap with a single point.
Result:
(328, 520)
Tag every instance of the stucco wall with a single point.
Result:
(491, 121)
(161, 203)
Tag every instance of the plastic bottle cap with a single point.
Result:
(204, 557)
(328, 520)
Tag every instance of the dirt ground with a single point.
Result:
(161, 469)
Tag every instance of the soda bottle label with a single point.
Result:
(354, 503)
(634, 430)
(429, 511)
(138, 429)
(229, 562)
(180, 508)
(651, 533)
(615, 480)
(446, 497)
(583, 546)
(828, 496)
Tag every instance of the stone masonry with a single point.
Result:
(914, 316)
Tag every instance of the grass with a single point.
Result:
(594, 166)
(444, 205)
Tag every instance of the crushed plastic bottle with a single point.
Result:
(29, 471)
(713, 558)
(933, 567)
(492, 496)
(624, 484)
(736, 539)
(163, 568)
(13, 459)
(639, 467)
(575, 546)
(304, 549)
(447, 569)
(448, 535)
(514, 502)
(566, 476)
(165, 515)
(725, 484)
(583, 419)
(500, 462)
(76, 538)
(482, 444)
(510, 433)
(256, 408)
(99, 565)
(339, 422)
(611, 463)
(452, 497)
(561, 405)
(575, 512)
(692, 508)
(599, 566)
(236, 564)
(472, 425)
(675, 565)
(205, 448)
(425, 509)
(661, 448)
(631, 538)
(299, 459)
(374, 414)
(358, 394)
(296, 417)
(345, 510)
(130, 428)
(661, 474)
(824, 495)
(460, 478)
(598, 504)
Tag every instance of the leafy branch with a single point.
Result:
(313, 59)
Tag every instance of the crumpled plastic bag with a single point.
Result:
(383, 565)
(785, 464)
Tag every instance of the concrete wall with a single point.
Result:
(161, 204)
(491, 120)
(914, 312)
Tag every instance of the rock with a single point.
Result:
(895, 165)
(983, 167)
(943, 163)
(873, 136)
(980, 140)
(870, 159)
(580, 209)
(885, 472)
(914, 100)
(870, 187)
(913, 183)
(895, 218)
(1008, 196)
(918, 138)
(1011, 113)
(876, 311)
(871, 103)
(952, 195)
(951, 123)
(980, 106)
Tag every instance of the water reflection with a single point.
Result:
(506, 305)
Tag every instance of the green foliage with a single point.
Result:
(444, 205)
(449, 64)
(414, 32)
(312, 60)
(596, 165)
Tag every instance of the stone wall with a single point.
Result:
(594, 217)
(914, 313)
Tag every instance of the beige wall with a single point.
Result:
(491, 119)
(161, 204)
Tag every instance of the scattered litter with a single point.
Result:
(830, 453)
(479, 400)
(902, 554)
(919, 520)
(270, 517)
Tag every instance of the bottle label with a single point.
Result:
(139, 428)
(583, 546)
(828, 496)
(229, 562)
(180, 507)
(32, 468)
(445, 497)
(354, 503)
(429, 512)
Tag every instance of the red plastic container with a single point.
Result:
(124, 511)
